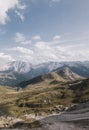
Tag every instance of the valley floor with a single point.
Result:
(74, 120)
(25, 109)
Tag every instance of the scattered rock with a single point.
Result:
(6, 122)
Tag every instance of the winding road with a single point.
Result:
(76, 119)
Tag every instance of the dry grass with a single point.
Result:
(41, 97)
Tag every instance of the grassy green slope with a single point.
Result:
(42, 95)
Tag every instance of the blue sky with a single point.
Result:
(44, 30)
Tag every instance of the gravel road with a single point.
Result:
(77, 119)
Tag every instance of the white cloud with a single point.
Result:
(26, 42)
(41, 45)
(20, 15)
(22, 50)
(24, 54)
(21, 6)
(43, 52)
(52, 50)
(5, 6)
(57, 38)
(37, 37)
(5, 58)
(19, 37)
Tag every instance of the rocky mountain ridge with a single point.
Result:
(17, 71)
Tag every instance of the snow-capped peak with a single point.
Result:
(17, 66)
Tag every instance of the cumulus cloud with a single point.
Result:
(5, 58)
(40, 51)
(22, 50)
(37, 37)
(57, 37)
(20, 38)
(44, 51)
(5, 6)
(24, 54)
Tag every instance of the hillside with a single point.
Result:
(42, 98)
(68, 74)
(63, 74)
(17, 71)
(43, 92)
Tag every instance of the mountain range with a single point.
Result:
(63, 74)
(16, 72)
(45, 89)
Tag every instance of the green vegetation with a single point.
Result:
(47, 94)
(42, 98)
